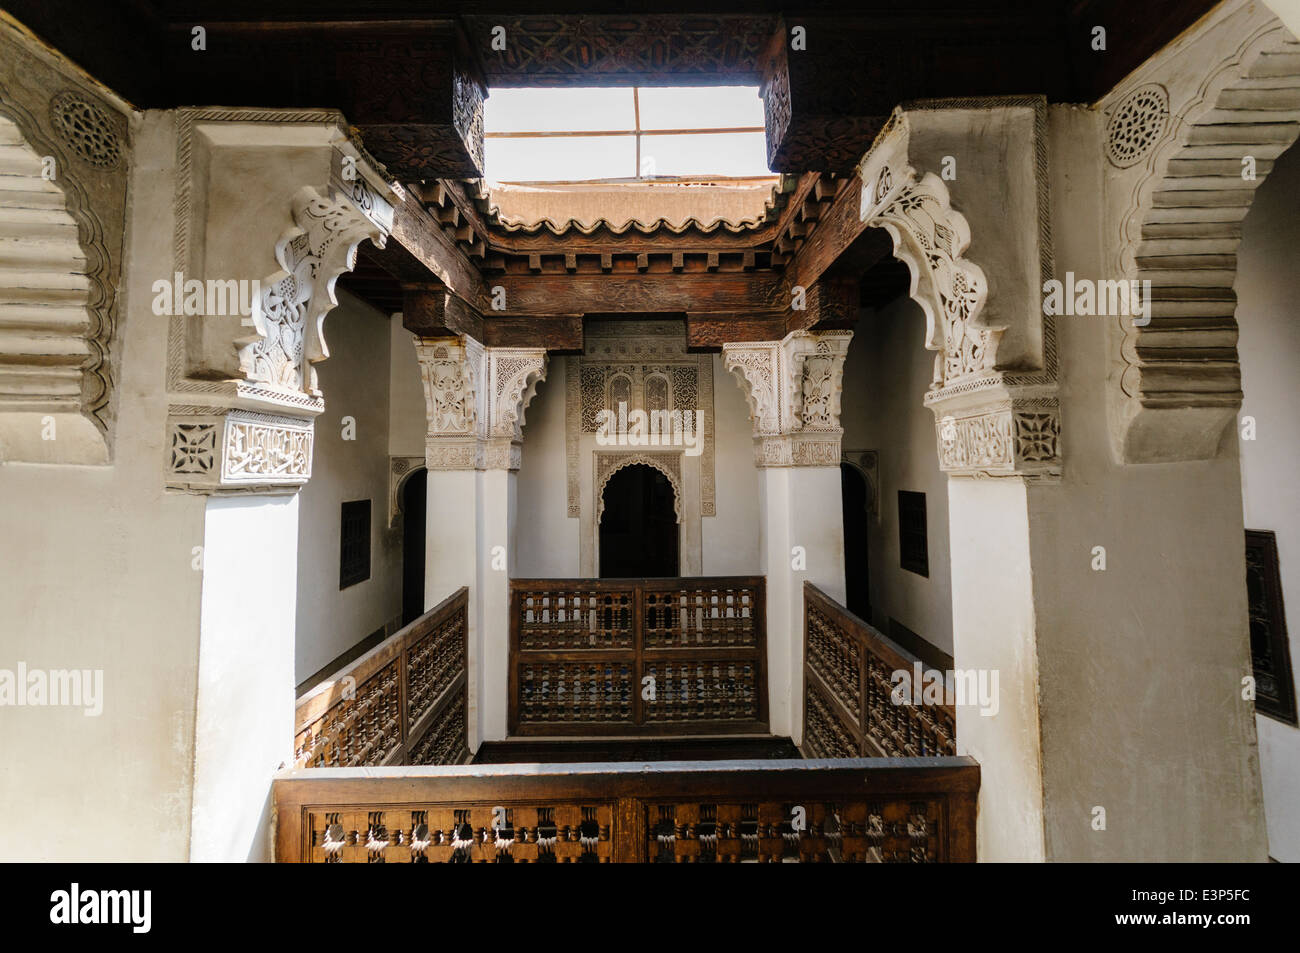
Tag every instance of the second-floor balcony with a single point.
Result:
(638, 733)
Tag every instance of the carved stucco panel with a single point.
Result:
(635, 355)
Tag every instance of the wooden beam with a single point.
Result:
(840, 243)
(705, 332)
(732, 292)
(419, 253)
(830, 304)
(431, 311)
(561, 333)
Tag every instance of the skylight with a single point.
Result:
(626, 133)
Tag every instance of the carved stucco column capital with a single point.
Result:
(793, 388)
(994, 389)
(475, 400)
(247, 423)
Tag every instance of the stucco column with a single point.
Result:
(793, 389)
(475, 398)
(1106, 599)
(281, 207)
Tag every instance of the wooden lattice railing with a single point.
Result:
(637, 656)
(404, 702)
(848, 681)
(886, 810)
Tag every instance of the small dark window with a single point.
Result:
(1269, 651)
(913, 551)
(354, 544)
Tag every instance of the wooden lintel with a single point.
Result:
(643, 293)
(710, 331)
(432, 311)
(418, 252)
(558, 333)
(834, 245)
(832, 303)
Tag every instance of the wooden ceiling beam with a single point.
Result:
(840, 244)
(830, 304)
(708, 332)
(558, 333)
(431, 311)
(727, 292)
(418, 252)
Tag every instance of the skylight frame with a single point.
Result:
(636, 133)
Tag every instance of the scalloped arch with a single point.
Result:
(655, 462)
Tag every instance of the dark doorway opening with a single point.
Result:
(853, 494)
(414, 501)
(638, 528)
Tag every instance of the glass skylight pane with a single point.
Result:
(700, 107)
(724, 154)
(554, 110)
(558, 160)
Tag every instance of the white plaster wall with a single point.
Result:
(1140, 665)
(546, 539)
(407, 422)
(244, 725)
(886, 375)
(731, 538)
(355, 382)
(1269, 346)
(96, 563)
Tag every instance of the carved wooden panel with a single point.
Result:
(478, 833)
(897, 831)
(444, 742)
(631, 48)
(849, 689)
(709, 689)
(576, 619)
(558, 694)
(837, 657)
(826, 734)
(404, 702)
(700, 616)
(785, 811)
(623, 656)
(434, 662)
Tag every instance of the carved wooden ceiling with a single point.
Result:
(412, 76)
(412, 83)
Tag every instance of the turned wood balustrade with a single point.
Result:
(404, 702)
(637, 656)
(848, 712)
(917, 810)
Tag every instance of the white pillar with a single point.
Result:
(243, 727)
(793, 389)
(475, 398)
(994, 630)
(242, 397)
(451, 560)
(801, 539)
(496, 560)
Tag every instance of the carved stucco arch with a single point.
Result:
(242, 390)
(930, 237)
(609, 464)
(58, 367)
(400, 472)
(995, 416)
(313, 253)
(1179, 142)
